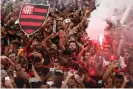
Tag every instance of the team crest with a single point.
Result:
(32, 17)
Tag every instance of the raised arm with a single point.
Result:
(20, 71)
(80, 58)
(82, 51)
(45, 41)
(108, 72)
(61, 40)
(8, 17)
(126, 80)
(120, 46)
(36, 74)
(79, 80)
(79, 44)
(70, 74)
(99, 65)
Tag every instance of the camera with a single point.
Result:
(67, 21)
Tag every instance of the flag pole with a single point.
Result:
(126, 13)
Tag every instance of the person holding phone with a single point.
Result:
(73, 81)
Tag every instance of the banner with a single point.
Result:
(32, 17)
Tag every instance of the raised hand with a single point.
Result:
(53, 35)
(5, 58)
(70, 73)
(61, 33)
(87, 10)
(113, 64)
(126, 79)
(34, 42)
(17, 67)
(78, 78)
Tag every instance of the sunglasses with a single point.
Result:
(12, 55)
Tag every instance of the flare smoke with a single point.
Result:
(111, 10)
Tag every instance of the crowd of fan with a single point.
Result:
(60, 54)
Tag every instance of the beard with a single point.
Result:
(72, 50)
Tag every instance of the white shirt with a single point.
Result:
(105, 63)
(122, 62)
(33, 80)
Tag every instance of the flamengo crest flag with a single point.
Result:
(32, 17)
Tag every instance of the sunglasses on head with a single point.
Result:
(12, 55)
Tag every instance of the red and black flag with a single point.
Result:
(32, 17)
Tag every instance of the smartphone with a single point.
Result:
(52, 69)
(100, 81)
(30, 66)
(67, 20)
(50, 83)
(7, 78)
(51, 72)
